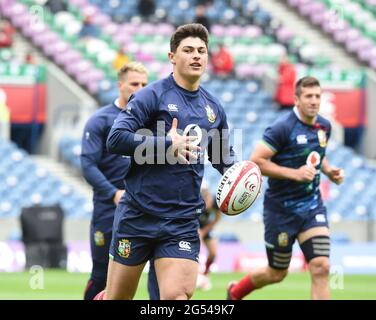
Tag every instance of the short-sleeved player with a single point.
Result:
(105, 172)
(292, 155)
(158, 216)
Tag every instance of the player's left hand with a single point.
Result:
(336, 175)
(118, 196)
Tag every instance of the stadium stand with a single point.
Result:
(24, 181)
(350, 23)
(256, 40)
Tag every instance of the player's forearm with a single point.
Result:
(272, 170)
(126, 142)
(98, 181)
(325, 166)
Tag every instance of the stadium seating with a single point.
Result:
(256, 42)
(350, 23)
(255, 50)
(23, 182)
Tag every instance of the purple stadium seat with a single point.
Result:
(110, 28)
(252, 31)
(165, 29)
(129, 28)
(373, 64)
(17, 9)
(155, 66)
(34, 29)
(53, 48)
(284, 35)
(318, 18)
(340, 35)
(306, 8)
(91, 75)
(244, 70)
(93, 87)
(165, 71)
(42, 39)
(79, 3)
(100, 19)
(144, 57)
(218, 30)
(21, 19)
(89, 10)
(68, 57)
(79, 67)
(364, 55)
(132, 47)
(364, 47)
(234, 31)
(293, 3)
(146, 29)
(122, 38)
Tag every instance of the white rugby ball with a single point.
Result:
(239, 187)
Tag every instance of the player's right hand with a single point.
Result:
(182, 147)
(305, 173)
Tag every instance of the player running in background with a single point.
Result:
(105, 172)
(208, 220)
(158, 215)
(292, 155)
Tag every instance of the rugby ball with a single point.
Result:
(239, 187)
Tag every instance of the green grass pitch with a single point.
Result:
(61, 285)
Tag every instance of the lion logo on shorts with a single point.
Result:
(283, 239)
(124, 248)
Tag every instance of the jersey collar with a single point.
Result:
(116, 103)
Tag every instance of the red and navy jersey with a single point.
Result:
(156, 186)
(104, 171)
(295, 144)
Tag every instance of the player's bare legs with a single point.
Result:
(255, 280)
(176, 278)
(319, 267)
(267, 275)
(122, 281)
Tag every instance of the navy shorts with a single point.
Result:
(282, 228)
(138, 237)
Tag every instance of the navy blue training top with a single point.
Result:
(158, 187)
(295, 144)
(103, 171)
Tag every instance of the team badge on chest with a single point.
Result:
(210, 113)
(321, 134)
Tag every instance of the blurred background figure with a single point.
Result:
(29, 58)
(201, 16)
(146, 8)
(6, 34)
(56, 6)
(284, 94)
(208, 220)
(222, 62)
(88, 30)
(120, 60)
